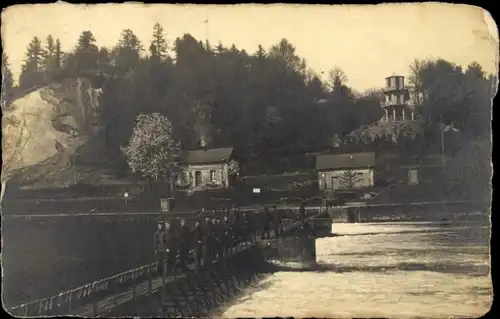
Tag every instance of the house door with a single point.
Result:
(323, 182)
(197, 178)
(412, 177)
(335, 183)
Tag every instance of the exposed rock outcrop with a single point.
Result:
(42, 130)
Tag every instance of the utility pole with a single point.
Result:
(74, 159)
(206, 28)
(441, 129)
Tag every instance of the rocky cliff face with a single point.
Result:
(42, 131)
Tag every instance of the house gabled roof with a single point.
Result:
(208, 156)
(345, 161)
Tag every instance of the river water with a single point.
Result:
(386, 269)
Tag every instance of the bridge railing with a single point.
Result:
(66, 302)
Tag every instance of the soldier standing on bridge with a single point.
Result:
(245, 229)
(236, 221)
(266, 222)
(159, 246)
(302, 210)
(226, 239)
(227, 214)
(218, 233)
(305, 229)
(208, 242)
(169, 249)
(198, 244)
(275, 223)
(184, 244)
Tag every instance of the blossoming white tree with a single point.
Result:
(233, 167)
(152, 150)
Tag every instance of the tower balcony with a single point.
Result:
(399, 112)
(391, 103)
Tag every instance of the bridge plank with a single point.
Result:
(109, 303)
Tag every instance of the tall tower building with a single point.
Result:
(397, 99)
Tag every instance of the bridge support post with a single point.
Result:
(70, 302)
(94, 309)
(134, 285)
(150, 280)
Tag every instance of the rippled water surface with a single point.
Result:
(397, 270)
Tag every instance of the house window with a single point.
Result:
(335, 182)
(213, 176)
(413, 177)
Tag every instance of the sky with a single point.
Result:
(369, 42)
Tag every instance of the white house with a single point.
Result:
(343, 171)
(205, 168)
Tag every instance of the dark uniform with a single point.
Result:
(184, 244)
(253, 225)
(237, 226)
(217, 233)
(208, 241)
(170, 250)
(302, 211)
(227, 236)
(159, 247)
(266, 221)
(245, 227)
(276, 223)
(306, 229)
(198, 244)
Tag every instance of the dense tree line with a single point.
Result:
(266, 103)
(462, 98)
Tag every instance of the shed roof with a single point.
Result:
(208, 156)
(342, 161)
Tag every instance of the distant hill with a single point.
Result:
(48, 131)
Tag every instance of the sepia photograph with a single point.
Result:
(247, 161)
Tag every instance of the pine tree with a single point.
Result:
(7, 81)
(260, 53)
(85, 56)
(220, 49)
(32, 69)
(58, 55)
(127, 53)
(349, 179)
(159, 46)
(49, 59)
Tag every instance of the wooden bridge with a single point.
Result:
(145, 292)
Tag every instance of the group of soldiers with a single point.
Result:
(210, 238)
